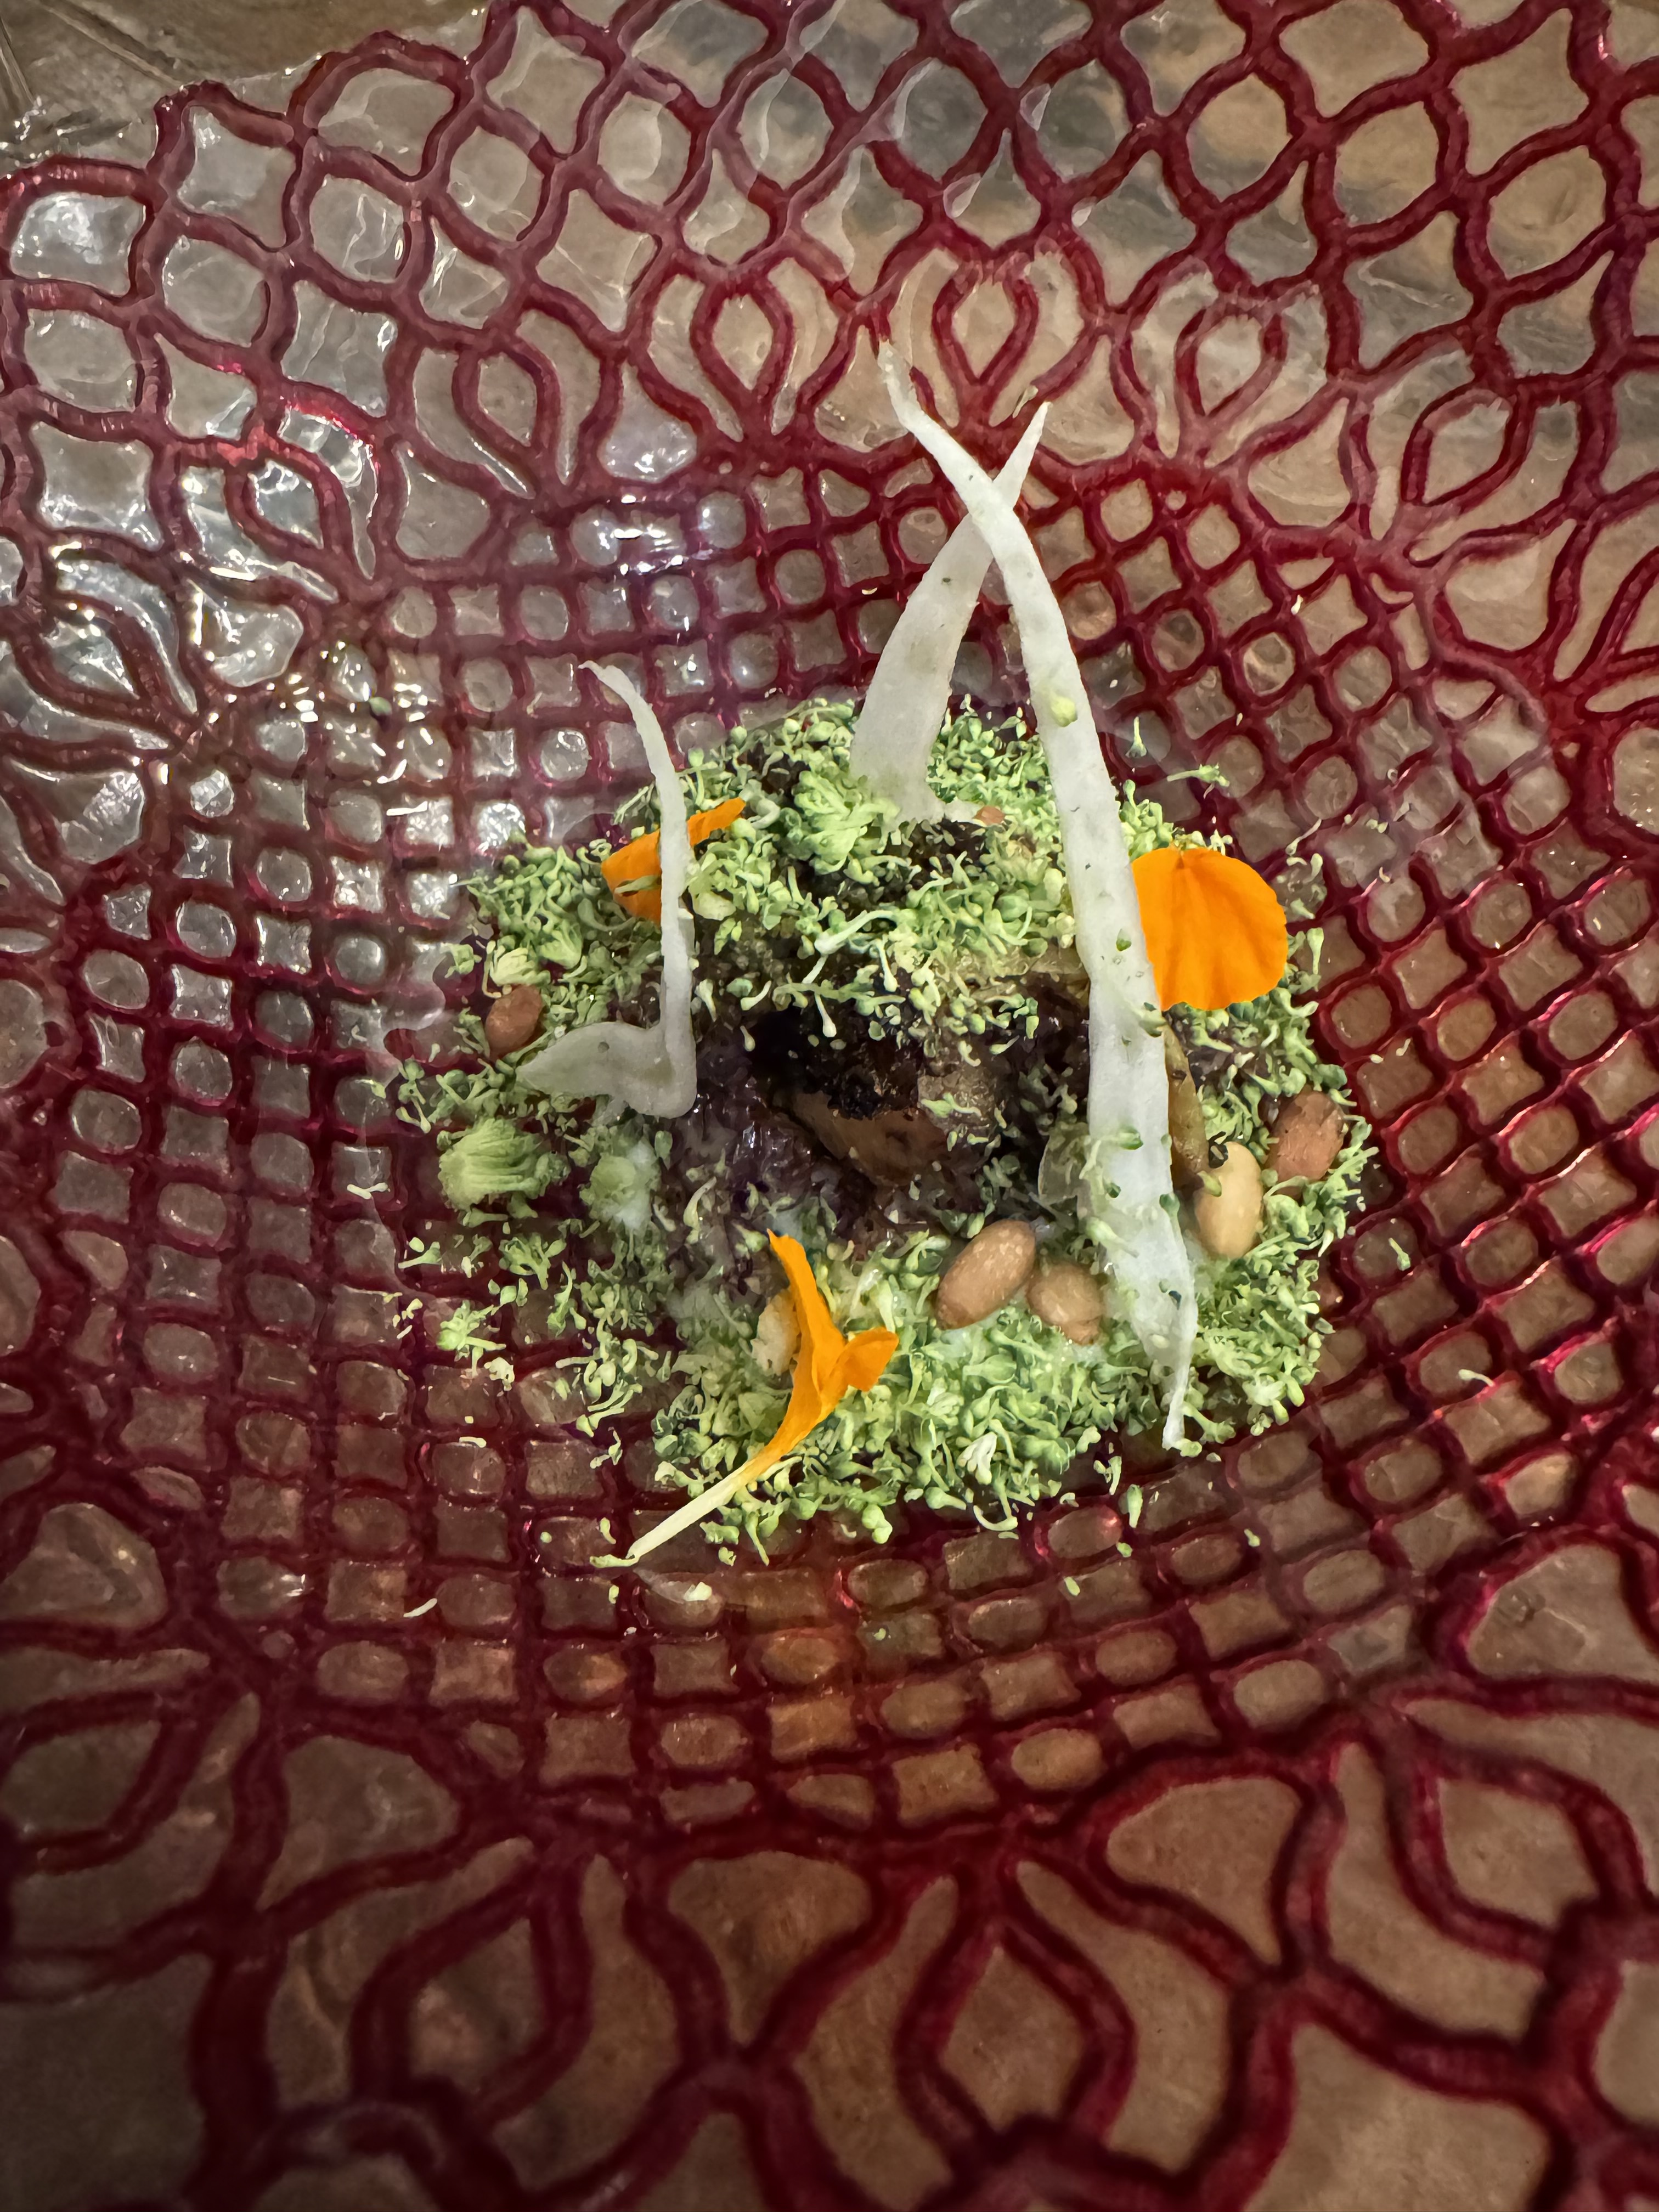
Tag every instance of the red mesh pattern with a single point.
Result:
(337, 435)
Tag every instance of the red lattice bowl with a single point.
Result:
(368, 1849)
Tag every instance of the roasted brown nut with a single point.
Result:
(1307, 1137)
(1068, 1297)
(1189, 1145)
(1229, 1217)
(992, 1268)
(514, 1019)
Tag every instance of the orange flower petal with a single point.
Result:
(634, 862)
(1215, 931)
(865, 1358)
(633, 870)
(820, 1340)
(827, 1365)
(711, 819)
(805, 1409)
(638, 864)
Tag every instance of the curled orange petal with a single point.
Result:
(864, 1360)
(1215, 931)
(638, 864)
(633, 870)
(827, 1366)
(821, 1342)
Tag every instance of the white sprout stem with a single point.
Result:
(909, 692)
(1129, 1088)
(688, 1515)
(655, 1069)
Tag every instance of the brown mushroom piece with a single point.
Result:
(1189, 1142)
(897, 1123)
(892, 1147)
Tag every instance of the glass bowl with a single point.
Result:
(372, 1849)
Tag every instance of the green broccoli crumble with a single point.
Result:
(638, 1249)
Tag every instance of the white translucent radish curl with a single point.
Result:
(909, 694)
(1129, 1088)
(653, 1070)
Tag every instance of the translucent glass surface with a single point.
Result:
(1290, 1843)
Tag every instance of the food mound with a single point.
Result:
(901, 1118)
